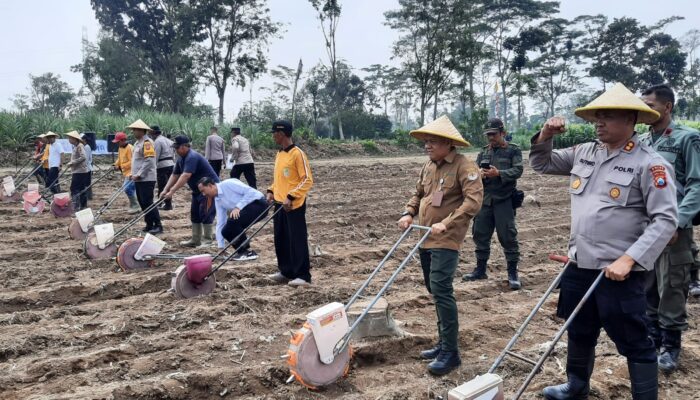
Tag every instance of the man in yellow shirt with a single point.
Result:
(123, 164)
(291, 182)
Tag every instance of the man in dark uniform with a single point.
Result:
(501, 165)
(623, 213)
(667, 285)
(190, 168)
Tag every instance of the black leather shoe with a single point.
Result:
(513, 280)
(446, 362)
(146, 228)
(579, 367)
(156, 230)
(430, 354)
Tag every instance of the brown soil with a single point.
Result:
(72, 328)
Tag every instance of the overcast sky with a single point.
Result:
(41, 36)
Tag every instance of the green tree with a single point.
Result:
(236, 34)
(288, 80)
(49, 94)
(329, 13)
(662, 61)
(424, 46)
(160, 33)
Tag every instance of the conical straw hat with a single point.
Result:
(441, 127)
(75, 135)
(139, 125)
(50, 134)
(618, 97)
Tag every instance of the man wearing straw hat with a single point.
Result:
(38, 157)
(448, 195)
(80, 178)
(623, 213)
(53, 152)
(143, 173)
(668, 284)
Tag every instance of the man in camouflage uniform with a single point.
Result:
(667, 285)
(501, 165)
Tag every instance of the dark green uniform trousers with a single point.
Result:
(439, 266)
(667, 284)
(500, 216)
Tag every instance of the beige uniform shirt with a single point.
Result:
(462, 194)
(240, 150)
(214, 149)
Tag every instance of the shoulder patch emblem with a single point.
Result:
(658, 173)
(629, 146)
(472, 175)
(148, 149)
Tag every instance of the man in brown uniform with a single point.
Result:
(448, 195)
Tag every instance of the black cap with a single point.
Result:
(284, 126)
(236, 130)
(180, 140)
(156, 129)
(494, 125)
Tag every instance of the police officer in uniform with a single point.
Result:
(667, 285)
(623, 213)
(448, 195)
(501, 165)
(143, 173)
(165, 164)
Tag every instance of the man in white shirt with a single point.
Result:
(237, 207)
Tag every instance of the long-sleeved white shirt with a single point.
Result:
(232, 194)
(55, 156)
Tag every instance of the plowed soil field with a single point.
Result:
(71, 328)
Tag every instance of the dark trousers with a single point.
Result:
(501, 217)
(617, 307)
(144, 194)
(439, 266)
(668, 284)
(89, 191)
(249, 214)
(53, 180)
(216, 165)
(248, 170)
(77, 184)
(162, 176)
(202, 209)
(40, 175)
(291, 243)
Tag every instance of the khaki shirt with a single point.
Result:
(165, 154)
(214, 148)
(240, 150)
(621, 203)
(143, 160)
(462, 194)
(78, 160)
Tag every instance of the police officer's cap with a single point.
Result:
(282, 125)
(494, 125)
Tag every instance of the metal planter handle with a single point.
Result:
(343, 342)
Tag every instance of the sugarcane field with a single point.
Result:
(335, 199)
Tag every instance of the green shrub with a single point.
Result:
(369, 146)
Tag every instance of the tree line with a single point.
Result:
(516, 59)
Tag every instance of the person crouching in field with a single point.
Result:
(448, 195)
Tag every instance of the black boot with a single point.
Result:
(431, 354)
(446, 362)
(478, 273)
(670, 350)
(579, 367)
(655, 334)
(513, 280)
(644, 379)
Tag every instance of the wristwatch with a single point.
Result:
(405, 213)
